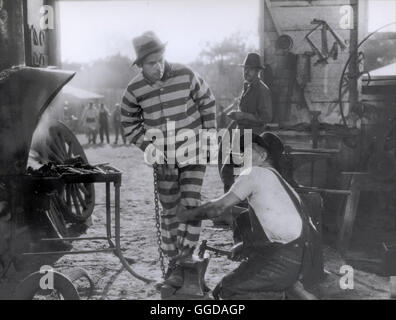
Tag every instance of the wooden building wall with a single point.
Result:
(294, 19)
(12, 46)
(17, 18)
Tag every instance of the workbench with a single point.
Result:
(108, 177)
(356, 182)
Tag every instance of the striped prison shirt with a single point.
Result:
(181, 97)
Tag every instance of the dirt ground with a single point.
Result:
(112, 281)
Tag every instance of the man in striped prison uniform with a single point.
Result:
(163, 95)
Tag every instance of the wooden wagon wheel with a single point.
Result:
(345, 89)
(346, 77)
(29, 288)
(57, 145)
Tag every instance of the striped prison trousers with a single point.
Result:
(179, 186)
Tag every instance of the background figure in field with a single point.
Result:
(104, 123)
(68, 117)
(66, 113)
(116, 120)
(90, 122)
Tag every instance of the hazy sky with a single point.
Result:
(382, 12)
(96, 29)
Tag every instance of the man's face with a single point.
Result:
(259, 155)
(154, 66)
(250, 74)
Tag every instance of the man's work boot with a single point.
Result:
(174, 276)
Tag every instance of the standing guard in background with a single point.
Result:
(104, 123)
(90, 122)
(116, 120)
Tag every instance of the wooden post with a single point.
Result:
(353, 66)
(39, 39)
(362, 7)
(54, 41)
(261, 29)
(392, 283)
(12, 43)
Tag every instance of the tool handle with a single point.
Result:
(219, 251)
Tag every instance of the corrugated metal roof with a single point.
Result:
(389, 70)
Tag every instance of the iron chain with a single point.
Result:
(158, 220)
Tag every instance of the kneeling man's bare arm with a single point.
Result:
(209, 210)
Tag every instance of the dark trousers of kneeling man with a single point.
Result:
(268, 268)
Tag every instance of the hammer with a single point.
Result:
(203, 247)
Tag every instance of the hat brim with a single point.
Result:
(258, 67)
(262, 142)
(257, 139)
(159, 48)
(274, 146)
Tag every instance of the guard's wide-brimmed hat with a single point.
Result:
(146, 44)
(269, 141)
(253, 60)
